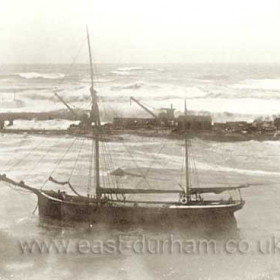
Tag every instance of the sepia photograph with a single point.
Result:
(140, 140)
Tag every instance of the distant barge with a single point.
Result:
(164, 124)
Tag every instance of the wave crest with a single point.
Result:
(35, 75)
(126, 71)
(135, 85)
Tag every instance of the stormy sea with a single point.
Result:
(31, 249)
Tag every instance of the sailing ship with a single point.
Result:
(111, 206)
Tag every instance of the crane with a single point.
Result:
(144, 107)
(75, 114)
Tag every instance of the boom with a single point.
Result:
(67, 106)
(144, 107)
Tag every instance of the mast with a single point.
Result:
(186, 156)
(94, 116)
(90, 58)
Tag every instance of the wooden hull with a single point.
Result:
(213, 216)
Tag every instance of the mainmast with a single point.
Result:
(186, 156)
(94, 116)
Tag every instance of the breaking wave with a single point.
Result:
(135, 68)
(127, 71)
(8, 104)
(135, 85)
(205, 166)
(35, 75)
(139, 68)
(97, 80)
(213, 77)
(21, 89)
(263, 84)
(121, 73)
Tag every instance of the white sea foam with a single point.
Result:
(225, 101)
(239, 106)
(140, 68)
(49, 124)
(206, 166)
(9, 104)
(136, 85)
(126, 71)
(135, 68)
(264, 84)
(35, 75)
(97, 80)
(121, 73)
(148, 91)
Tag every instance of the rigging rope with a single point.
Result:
(129, 153)
(26, 156)
(107, 158)
(59, 162)
(73, 62)
(90, 165)
(15, 152)
(43, 156)
(74, 166)
(64, 183)
(152, 163)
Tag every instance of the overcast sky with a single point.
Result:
(131, 31)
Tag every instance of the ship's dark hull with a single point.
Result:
(117, 214)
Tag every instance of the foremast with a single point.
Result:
(95, 118)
